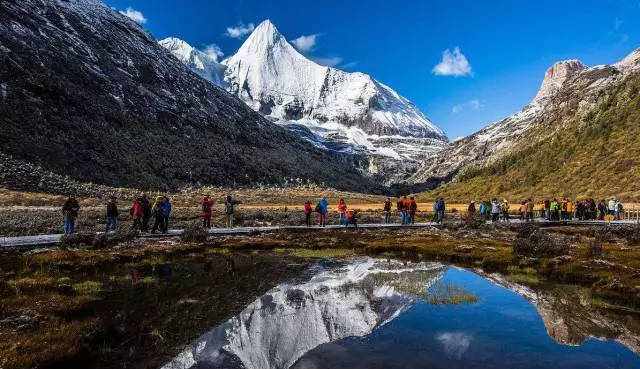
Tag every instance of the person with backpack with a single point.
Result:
(146, 212)
(387, 211)
(342, 211)
(307, 213)
(136, 213)
(112, 215)
(471, 209)
(505, 210)
(413, 209)
(207, 205)
(440, 210)
(496, 209)
(323, 211)
(230, 209)
(400, 209)
(156, 211)
(70, 211)
(166, 213)
(530, 207)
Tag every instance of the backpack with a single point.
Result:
(318, 208)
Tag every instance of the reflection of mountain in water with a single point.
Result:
(278, 328)
(570, 317)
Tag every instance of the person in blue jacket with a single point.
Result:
(323, 210)
(165, 208)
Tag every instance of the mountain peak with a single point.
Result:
(631, 61)
(264, 37)
(556, 75)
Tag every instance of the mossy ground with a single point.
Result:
(139, 303)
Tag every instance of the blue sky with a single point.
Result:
(508, 44)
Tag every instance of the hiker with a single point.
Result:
(554, 208)
(146, 212)
(522, 210)
(342, 211)
(471, 209)
(612, 206)
(400, 209)
(352, 218)
(387, 211)
(440, 209)
(156, 211)
(530, 207)
(570, 210)
(307, 213)
(619, 210)
(229, 210)
(207, 205)
(166, 212)
(602, 210)
(70, 211)
(323, 211)
(483, 210)
(136, 212)
(547, 209)
(413, 208)
(112, 214)
(505, 210)
(563, 209)
(495, 210)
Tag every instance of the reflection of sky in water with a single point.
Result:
(502, 330)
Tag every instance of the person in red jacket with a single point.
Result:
(207, 204)
(413, 208)
(137, 212)
(342, 209)
(308, 210)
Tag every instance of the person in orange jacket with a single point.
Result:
(413, 208)
(207, 205)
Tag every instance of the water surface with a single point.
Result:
(377, 313)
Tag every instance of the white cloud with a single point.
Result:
(455, 344)
(240, 30)
(305, 43)
(453, 64)
(329, 61)
(213, 51)
(135, 15)
(474, 104)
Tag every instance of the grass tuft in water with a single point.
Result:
(449, 294)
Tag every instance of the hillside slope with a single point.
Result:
(585, 141)
(86, 93)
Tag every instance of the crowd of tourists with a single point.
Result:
(143, 211)
(554, 210)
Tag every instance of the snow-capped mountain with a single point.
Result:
(281, 326)
(205, 65)
(568, 87)
(329, 106)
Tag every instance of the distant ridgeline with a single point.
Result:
(580, 136)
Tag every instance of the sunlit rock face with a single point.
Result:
(281, 326)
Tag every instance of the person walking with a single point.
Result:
(505, 210)
(229, 210)
(611, 207)
(413, 209)
(146, 212)
(471, 209)
(342, 211)
(307, 213)
(495, 210)
(70, 211)
(323, 210)
(400, 209)
(530, 208)
(136, 213)
(156, 211)
(602, 210)
(387, 211)
(112, 215)
(440, 210)
(166, 213)
(207, 205)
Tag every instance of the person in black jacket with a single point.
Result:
(146, 212)
(112, 214)
(70, 211)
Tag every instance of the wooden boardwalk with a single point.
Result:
(40, 241)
